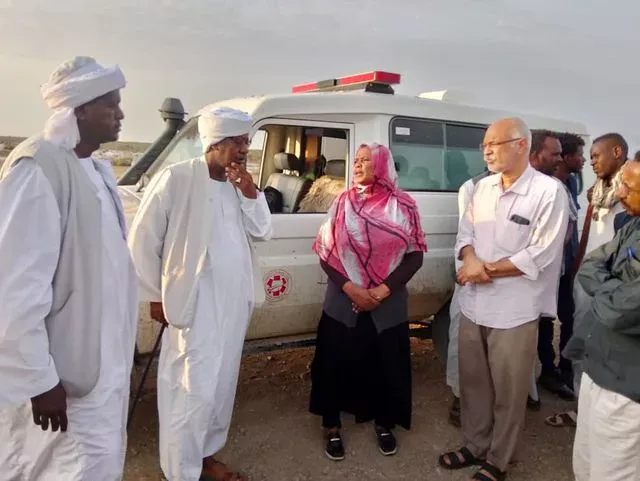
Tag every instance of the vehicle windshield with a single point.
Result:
(187, 145)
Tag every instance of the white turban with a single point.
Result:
(215, 125)
(75, 83)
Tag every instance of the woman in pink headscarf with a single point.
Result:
(370, 246)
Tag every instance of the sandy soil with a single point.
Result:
(274, 438)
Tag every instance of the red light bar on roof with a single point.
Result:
(350, 82)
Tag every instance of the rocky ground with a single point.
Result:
(274, 438)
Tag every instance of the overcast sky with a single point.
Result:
(572, 59)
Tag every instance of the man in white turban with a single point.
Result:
(191, 243)
(68, 290)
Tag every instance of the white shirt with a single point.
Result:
(533, 241)
(602, 230)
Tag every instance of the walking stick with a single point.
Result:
(144, 376)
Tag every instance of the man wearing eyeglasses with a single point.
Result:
(510, 241)
(191, 244)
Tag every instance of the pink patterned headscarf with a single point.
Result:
(370, 228)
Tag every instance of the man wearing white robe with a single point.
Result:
(190, 243)
(68, 290)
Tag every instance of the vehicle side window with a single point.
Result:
(432, 155)
(463, 158)
(418, 151)
(304, 167)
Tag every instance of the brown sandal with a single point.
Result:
(489, 472)
(562, 420)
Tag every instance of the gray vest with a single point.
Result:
(74, 322)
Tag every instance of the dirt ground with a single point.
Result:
(273, 437)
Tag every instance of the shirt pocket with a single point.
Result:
(512, 236)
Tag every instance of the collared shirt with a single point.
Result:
(527, 224)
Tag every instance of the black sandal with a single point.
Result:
(468, 459)
(494, 473)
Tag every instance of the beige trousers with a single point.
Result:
(495, 378)
(607, 443)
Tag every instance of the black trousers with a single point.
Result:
(566, 309)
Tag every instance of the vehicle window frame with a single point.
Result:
(262, 152)
(348, 127)
(443, 123)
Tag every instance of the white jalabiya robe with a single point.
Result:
(198, 368)
(93, 448)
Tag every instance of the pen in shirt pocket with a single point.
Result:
(631, 253)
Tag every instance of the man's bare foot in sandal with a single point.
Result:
(462, 458)
(213, 470)
(489, 472)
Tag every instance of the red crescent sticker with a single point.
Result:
(277, 284)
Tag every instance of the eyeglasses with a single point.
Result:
(491, 145)
(240, 141)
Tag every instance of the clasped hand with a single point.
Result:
(366, 299)
(474, 271)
